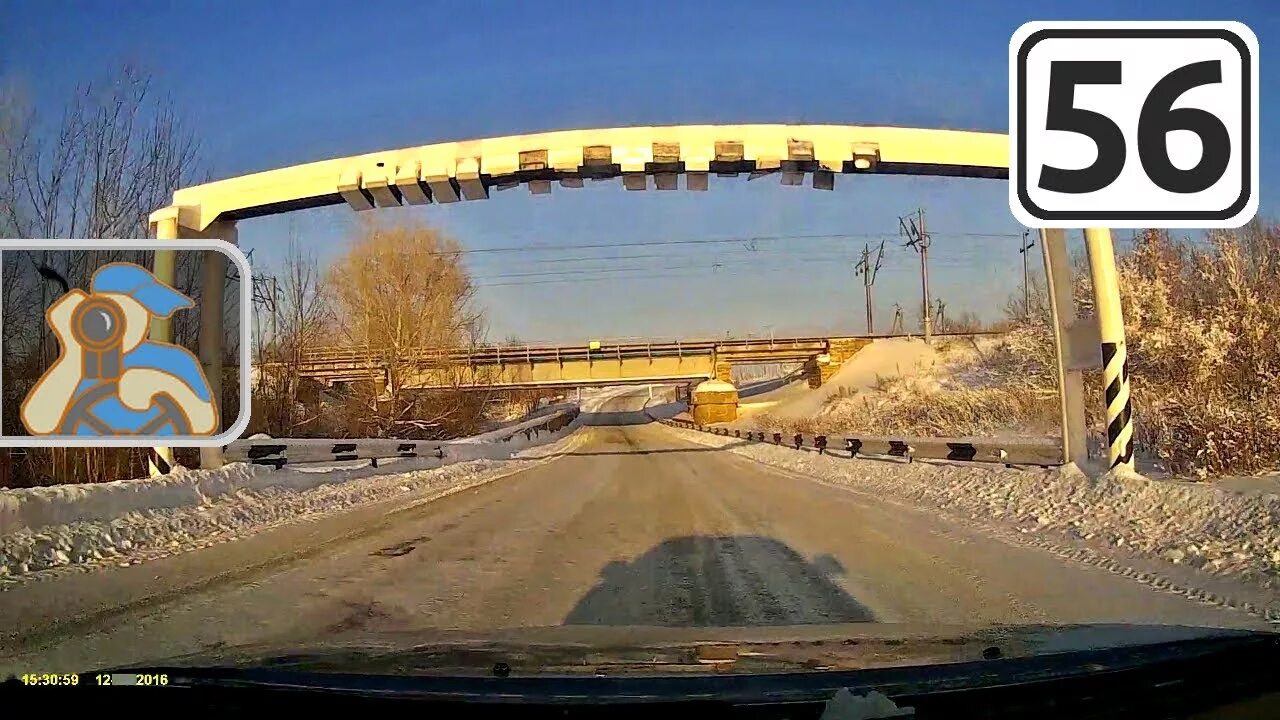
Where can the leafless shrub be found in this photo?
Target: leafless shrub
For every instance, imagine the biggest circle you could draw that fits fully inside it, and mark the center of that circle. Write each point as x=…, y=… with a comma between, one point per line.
x=1201, y=320
x=298, y=315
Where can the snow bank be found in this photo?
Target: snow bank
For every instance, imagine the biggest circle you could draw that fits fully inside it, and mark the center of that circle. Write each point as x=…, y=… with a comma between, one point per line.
x=59, y=525
x=1195, y=534
x=244, y=500
x=33, y=508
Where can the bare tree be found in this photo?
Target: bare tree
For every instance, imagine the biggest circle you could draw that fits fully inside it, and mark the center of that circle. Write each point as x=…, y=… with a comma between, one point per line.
x=400, y=290
x=118, y=152
x=303, y=318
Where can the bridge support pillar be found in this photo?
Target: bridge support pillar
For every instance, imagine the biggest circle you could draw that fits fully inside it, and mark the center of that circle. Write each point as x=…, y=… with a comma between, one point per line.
x=724, y=372
x=819, y=369
x=844, y=348
x=160, y=459
x=214, y=274
x=714, y=401
x=213, y=279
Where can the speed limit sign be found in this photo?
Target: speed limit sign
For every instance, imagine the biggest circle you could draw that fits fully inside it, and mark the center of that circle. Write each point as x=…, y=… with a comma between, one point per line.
x=1133, y=124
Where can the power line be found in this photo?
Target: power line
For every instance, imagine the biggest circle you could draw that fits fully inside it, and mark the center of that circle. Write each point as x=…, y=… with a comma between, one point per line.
x=583, y=274
x=953, y=253
x=616, y=274
x=704, y=241
x=711, y=269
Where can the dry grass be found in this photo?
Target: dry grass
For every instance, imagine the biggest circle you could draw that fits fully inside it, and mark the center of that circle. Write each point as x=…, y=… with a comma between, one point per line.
x=912, y=408
x=972, y=390
x=1202, y=320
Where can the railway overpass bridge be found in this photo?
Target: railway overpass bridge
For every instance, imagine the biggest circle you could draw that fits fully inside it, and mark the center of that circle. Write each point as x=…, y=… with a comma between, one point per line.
x=595, y=363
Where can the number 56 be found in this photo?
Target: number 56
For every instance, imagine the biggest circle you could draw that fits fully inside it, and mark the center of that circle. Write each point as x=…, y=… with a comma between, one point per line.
x=1157, y=118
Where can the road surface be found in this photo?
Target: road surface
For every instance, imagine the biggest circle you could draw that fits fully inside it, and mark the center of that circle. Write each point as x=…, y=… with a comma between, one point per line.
x=632, y=526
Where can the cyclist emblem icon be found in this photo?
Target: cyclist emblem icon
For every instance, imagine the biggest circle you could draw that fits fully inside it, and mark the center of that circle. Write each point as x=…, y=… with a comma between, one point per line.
x=109, y=379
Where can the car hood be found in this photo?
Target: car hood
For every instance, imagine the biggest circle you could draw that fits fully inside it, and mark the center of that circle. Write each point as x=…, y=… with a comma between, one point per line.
x=631, y=650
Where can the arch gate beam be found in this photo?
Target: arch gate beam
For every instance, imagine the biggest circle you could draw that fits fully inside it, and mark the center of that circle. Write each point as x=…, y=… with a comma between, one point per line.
x=454, y=171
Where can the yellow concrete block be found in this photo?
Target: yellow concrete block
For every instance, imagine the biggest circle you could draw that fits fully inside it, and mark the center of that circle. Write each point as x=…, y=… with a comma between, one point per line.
x=714, y=401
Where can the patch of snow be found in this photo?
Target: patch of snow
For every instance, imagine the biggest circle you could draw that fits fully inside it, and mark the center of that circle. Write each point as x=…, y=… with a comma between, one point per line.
x=714, y=386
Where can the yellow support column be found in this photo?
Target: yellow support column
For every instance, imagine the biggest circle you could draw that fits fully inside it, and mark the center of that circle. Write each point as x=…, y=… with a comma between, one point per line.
x=211, y=327
x=1115, y=372
x=160, y=459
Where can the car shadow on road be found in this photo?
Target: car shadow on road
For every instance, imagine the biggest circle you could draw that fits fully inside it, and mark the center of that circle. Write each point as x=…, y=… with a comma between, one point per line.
x=719, y=581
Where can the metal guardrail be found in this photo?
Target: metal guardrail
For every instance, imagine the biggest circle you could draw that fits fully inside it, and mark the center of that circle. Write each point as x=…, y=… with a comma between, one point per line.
x=278, y=452
x=1044, y=453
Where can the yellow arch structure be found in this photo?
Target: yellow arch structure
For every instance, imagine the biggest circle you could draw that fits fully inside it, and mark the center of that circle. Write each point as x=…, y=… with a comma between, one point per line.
x=645, y=158
x=469, y=170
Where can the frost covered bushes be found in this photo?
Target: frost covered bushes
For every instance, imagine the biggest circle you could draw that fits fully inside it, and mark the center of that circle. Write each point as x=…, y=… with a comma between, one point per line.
x=1202, y=322
x=1202, y=319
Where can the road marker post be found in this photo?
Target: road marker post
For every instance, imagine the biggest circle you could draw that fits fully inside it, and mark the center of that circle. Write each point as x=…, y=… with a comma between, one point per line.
x=1115, y=370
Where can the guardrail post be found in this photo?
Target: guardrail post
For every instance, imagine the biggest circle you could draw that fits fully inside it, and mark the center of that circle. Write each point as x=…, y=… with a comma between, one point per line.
x=1115, y=367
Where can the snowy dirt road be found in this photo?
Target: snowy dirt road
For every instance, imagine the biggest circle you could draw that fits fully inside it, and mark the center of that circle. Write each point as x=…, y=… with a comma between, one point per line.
x=631, y=525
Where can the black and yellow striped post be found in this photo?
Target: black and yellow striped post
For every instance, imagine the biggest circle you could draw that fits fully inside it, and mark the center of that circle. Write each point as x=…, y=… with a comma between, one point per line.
x=1115, y=371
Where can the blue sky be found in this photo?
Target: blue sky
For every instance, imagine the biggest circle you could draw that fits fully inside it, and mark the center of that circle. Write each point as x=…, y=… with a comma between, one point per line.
x=279, y=83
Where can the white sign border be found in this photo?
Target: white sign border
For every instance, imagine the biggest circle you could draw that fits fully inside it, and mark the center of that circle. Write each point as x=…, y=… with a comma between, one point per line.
x=246, y=333
x=1239, y=29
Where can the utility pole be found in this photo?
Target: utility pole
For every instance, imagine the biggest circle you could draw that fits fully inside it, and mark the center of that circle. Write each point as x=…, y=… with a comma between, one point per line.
x=1026, y=277
x=275, y=308
x=913, y=229
x=868, y=272
x=266, y=294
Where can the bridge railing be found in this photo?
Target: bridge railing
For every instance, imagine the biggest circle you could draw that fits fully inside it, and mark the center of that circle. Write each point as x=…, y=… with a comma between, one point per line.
x=513, y=353
x=1044, y=452
x=278, y=452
